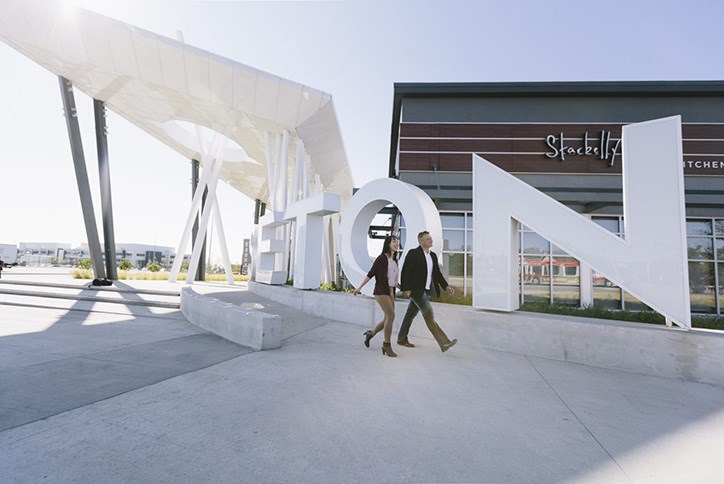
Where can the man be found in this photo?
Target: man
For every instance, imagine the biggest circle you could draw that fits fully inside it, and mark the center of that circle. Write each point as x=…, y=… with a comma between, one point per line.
x=421, y=275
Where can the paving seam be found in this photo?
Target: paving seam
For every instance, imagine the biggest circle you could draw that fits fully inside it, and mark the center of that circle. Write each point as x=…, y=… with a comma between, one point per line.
x=78, y=297
x=87, y=287
x=577, y=418
x=58, y=308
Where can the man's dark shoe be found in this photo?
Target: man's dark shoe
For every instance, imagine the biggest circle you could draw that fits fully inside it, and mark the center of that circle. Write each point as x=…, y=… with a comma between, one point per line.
x=446, y=346
x=405, y=342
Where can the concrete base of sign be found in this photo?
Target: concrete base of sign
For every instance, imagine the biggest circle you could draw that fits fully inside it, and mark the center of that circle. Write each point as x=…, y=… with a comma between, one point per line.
x=271, y=277
x=252, y=328
x=636, y=347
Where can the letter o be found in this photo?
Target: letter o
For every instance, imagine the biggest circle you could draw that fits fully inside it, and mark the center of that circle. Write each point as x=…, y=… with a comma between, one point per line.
x=415, y=205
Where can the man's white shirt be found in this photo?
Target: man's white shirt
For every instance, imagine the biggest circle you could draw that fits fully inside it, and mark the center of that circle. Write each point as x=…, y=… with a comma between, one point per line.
x=428, y=259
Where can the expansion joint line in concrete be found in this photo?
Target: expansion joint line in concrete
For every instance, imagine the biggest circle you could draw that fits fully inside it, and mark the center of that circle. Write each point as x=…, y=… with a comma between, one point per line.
x=576, y=416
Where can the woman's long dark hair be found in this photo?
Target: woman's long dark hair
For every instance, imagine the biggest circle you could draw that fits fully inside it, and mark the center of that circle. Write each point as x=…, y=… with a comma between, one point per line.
x=386, y=246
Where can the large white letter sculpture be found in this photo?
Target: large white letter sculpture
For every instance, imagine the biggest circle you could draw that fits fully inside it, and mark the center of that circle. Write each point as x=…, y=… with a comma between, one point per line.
x=309, y=214
x=650, y=263
x=269, y=246
x=415, y=205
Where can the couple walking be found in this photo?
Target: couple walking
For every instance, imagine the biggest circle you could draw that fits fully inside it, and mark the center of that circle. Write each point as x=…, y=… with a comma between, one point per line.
x=420, y=276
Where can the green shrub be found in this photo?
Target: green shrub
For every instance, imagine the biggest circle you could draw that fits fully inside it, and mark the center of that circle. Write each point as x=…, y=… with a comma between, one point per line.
x=595, y=311
x=153, y=266
x=330, y=287
x=85, y=264
x=125, y=265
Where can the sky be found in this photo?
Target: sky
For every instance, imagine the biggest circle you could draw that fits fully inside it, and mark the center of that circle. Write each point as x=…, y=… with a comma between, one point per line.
x=355, y=50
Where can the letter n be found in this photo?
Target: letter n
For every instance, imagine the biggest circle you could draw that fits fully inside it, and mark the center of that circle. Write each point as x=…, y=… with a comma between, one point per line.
x=650, y=262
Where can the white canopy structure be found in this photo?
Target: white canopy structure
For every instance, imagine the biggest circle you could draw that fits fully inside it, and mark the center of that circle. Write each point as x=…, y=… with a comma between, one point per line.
x=165, y=87
x=152, y=80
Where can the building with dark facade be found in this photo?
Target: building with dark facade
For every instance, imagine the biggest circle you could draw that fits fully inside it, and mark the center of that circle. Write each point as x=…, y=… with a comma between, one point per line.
x=563, y=138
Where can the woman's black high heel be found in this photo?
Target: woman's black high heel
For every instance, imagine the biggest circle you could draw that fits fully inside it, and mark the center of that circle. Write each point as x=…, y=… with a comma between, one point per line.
x=368, y=336
x=387, y=350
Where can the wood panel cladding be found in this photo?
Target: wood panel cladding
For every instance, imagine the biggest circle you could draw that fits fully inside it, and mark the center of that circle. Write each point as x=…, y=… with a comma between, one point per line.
x=502, y=130
x=544, y=148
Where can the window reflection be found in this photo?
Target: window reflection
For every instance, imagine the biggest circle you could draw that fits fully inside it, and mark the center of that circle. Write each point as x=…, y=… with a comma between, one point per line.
x=453, y=240
x=534, y=244
x=610, y=224
x=701, y=287
x=453, y=221
x=535, y=275
x=698, y=227
x=720, y=227
x=700, y=248
x=470, y=269
x=566, y=271
x=632, y=303
x=455, y=270
x=535, y=270
x=566, y=281
x=605, y=292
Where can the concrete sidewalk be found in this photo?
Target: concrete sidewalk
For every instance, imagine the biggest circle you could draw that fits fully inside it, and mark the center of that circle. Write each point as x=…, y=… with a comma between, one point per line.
x=150, y=398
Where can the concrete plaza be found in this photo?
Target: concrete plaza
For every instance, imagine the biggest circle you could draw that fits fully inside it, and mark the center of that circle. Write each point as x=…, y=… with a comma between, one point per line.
x=107, y=392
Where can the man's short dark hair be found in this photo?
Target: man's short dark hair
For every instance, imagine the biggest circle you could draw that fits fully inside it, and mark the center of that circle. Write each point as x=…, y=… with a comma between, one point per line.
x=422, y=234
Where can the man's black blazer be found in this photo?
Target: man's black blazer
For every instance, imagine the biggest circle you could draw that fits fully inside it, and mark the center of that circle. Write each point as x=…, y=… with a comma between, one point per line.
x=414, y=273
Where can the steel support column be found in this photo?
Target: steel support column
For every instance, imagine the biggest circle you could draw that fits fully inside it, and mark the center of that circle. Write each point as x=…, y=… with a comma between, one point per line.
x=104, y=172
x=201, y=272
x=81, y=176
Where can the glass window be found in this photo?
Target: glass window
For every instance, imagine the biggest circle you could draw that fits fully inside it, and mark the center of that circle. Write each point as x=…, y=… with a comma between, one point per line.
x=403, y=236
x=537, y=294
x=470, y=221
x=599, y=280
x=568, y=295
x=469, y=242
x=605, y=293
x=453, y=240
x=719, y=227
x=701, y=284
x=698, y=227
x=535, y=270
x=566, y=281
x=610, y=224
x=469, y=275
x=700, y=247
x=453, y=221
x=402, y=221
x=565, y=271
x=534, y=244
x=631, y=303
x=720, y=249
x=455, y=269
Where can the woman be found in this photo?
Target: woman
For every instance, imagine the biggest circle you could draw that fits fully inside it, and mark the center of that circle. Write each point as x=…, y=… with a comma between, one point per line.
x=386, y=274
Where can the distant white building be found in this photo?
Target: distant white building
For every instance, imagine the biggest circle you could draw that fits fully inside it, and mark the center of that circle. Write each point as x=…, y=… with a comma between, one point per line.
x=8, y=253
x=41, y=253
x=49, y=253
x=140, y=255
